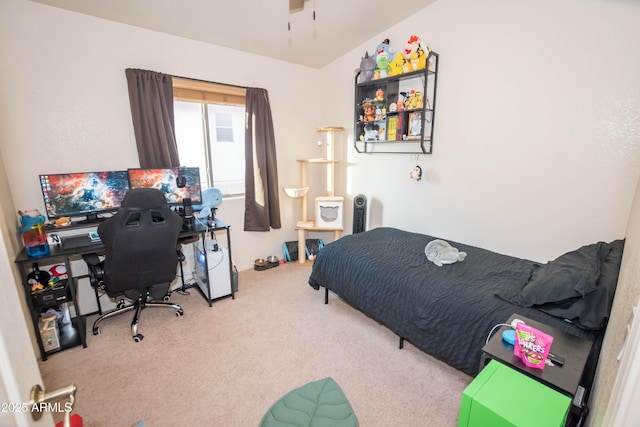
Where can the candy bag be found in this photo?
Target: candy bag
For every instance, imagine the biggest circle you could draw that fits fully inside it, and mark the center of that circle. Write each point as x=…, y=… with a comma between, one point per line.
x=532, y=346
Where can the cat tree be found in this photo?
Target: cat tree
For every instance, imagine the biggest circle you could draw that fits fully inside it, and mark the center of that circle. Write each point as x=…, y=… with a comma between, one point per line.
x=328, y=209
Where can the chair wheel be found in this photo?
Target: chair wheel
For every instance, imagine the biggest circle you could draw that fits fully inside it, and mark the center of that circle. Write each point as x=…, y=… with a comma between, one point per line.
x=166, y=298
x=179, y=312
x=120, y=304
x=138, y=337
x=96, y=331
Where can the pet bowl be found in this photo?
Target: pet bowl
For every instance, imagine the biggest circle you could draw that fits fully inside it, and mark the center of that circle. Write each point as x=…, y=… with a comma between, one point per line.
x=272, y=259
x=260, y=262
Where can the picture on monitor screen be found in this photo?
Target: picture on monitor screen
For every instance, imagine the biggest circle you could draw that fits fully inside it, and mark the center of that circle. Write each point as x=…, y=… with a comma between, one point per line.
x=166, y=180
x=84, y=193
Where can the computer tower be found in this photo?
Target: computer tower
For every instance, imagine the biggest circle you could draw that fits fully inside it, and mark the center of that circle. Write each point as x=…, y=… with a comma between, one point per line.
x=359, y=213
x=211, y=271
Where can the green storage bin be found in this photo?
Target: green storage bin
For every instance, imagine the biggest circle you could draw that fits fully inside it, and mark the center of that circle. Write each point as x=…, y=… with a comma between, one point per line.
x=503, y=397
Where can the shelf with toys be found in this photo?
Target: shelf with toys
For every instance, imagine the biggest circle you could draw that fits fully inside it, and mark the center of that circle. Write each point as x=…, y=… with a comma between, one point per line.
x=395, y=104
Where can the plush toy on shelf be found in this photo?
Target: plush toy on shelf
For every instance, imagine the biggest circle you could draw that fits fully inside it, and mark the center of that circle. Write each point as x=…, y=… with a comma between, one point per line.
x=367, y=67
x=398, y=65
x=383, y=48
x=382, y=57
x=414, y=100
x=382, y=67
x=416, y=52
x=369, y=111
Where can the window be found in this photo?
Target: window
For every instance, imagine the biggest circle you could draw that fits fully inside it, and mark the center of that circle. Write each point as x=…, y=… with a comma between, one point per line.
x=209, y=121
x=224, y=126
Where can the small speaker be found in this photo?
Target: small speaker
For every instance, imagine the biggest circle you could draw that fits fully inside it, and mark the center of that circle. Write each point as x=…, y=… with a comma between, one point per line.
x=359, y=213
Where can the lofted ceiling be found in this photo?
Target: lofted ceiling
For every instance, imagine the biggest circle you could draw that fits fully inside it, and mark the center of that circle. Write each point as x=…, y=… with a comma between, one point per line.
x=263, y=27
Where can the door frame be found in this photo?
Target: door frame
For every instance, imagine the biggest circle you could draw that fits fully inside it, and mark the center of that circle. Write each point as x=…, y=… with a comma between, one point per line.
x=19, y=369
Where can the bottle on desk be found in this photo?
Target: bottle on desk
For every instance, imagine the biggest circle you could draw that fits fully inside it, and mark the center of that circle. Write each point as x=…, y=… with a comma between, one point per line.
x=34, y=236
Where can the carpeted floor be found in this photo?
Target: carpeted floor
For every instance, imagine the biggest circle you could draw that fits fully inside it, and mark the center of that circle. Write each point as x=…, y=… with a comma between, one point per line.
x=225, y=365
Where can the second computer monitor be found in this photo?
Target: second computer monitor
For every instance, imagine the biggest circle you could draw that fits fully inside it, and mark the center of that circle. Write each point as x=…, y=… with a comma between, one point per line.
x=177, y=184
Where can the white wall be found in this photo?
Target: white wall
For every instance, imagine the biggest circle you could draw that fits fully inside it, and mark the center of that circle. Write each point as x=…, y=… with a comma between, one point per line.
x=617, y=382
x=536, y=148
x=65, y=104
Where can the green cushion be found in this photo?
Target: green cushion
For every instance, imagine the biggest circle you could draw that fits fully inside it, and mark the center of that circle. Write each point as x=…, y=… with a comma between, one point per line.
x=316, y=404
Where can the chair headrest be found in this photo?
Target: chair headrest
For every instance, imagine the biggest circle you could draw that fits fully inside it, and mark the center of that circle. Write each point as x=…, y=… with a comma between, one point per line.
x=144, y=198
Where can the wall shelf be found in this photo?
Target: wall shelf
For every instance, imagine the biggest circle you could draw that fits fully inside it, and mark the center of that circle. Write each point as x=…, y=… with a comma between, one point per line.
x=395, y=114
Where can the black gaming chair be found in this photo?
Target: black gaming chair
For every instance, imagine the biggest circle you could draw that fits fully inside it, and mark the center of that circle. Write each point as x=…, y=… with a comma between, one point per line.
x=141, y=256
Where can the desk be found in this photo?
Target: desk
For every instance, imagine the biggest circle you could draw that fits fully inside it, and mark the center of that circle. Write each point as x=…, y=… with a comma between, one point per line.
x=75, y=334
x=565, y=379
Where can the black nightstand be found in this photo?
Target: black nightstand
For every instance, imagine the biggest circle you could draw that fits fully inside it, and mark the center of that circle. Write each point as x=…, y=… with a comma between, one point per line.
x=563, y=378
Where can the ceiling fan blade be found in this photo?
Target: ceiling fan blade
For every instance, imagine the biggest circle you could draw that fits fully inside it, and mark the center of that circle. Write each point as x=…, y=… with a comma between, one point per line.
x=296, y=5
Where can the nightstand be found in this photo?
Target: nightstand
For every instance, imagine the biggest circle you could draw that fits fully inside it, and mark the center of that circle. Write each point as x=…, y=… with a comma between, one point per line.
x=565, y=378
x=503, y=397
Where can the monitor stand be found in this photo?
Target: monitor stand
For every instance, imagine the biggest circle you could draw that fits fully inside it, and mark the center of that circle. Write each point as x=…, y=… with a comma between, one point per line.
x=92, y=218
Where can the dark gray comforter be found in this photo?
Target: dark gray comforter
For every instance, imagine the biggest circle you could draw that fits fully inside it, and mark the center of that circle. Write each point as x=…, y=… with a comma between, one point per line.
x=445, y=311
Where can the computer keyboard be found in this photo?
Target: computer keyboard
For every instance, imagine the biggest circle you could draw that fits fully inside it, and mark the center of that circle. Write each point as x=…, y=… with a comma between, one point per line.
x=75, y=242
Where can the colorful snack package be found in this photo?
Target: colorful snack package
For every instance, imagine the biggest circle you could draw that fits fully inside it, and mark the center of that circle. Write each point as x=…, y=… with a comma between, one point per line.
x=532, y=346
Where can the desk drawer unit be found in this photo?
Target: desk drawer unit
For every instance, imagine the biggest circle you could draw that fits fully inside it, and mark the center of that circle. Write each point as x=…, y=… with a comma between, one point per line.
x=503, y=397
x=51, y=296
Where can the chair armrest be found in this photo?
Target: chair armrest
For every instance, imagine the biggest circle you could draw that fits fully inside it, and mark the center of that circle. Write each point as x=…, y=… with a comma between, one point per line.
x=96, y=269
x=91, y=259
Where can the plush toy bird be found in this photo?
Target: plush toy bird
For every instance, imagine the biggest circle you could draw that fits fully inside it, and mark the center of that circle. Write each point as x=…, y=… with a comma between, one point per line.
x=440, y=252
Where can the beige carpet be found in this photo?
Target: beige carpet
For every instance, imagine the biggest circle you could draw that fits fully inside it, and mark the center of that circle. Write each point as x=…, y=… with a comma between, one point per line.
x=225, y=365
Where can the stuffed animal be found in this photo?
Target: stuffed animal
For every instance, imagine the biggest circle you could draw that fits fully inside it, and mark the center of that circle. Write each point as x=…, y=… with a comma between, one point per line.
x=411, y=52
x=367, y=66
x=397, y=65
x=416, y=53
x=369, y=111
x=440, y=252
x=62, y=222
x=414, y=100
x=382, y=66
x=383, y=48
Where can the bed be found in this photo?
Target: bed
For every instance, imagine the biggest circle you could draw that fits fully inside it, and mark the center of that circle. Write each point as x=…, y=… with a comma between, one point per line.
x=448, y=311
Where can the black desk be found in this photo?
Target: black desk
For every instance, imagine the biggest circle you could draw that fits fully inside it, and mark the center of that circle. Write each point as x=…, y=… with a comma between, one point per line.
x=75, y=334
x=565, y=379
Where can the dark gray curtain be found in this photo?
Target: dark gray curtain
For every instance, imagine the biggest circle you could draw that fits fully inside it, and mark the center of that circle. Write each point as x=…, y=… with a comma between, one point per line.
x=151, y=99
x=262, y=204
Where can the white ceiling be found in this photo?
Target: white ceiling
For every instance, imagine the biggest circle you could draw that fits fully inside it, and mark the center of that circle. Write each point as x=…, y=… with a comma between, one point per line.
x=259, y=26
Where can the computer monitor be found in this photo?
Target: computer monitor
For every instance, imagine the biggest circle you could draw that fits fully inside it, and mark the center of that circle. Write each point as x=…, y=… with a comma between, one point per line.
x=177, y=184
x=86, y=194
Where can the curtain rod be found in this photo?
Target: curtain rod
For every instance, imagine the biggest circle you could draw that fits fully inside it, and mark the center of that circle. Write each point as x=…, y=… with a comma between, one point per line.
x=208, y=81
